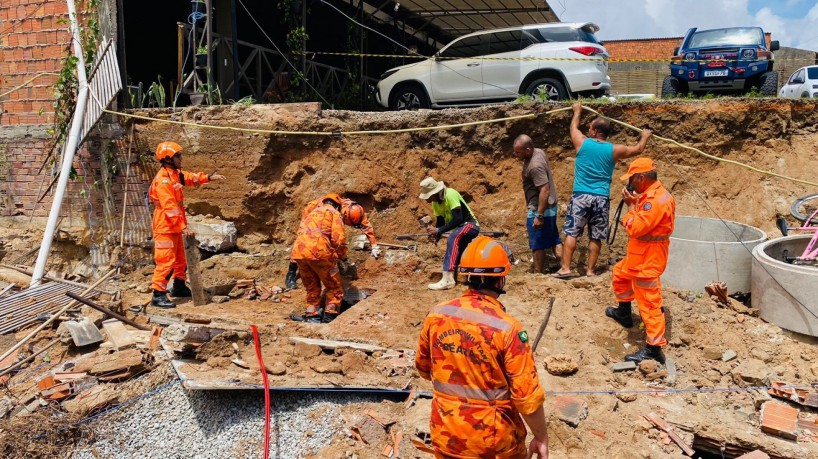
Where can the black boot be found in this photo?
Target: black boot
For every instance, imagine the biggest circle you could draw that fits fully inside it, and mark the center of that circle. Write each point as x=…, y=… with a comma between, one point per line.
x=313, y=319
x=161, y=300
x=292, y=275
x=180, y=290
x=621, y=314
x=648, y=353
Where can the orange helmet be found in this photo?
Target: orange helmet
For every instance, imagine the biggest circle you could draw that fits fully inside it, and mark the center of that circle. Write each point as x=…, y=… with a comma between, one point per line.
x=334, y=197
x=167, y=150
x=354, y=215
x=485, y=257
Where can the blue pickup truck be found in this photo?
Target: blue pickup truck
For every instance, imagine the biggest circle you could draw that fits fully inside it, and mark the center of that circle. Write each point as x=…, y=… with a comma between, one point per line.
x=734, y=59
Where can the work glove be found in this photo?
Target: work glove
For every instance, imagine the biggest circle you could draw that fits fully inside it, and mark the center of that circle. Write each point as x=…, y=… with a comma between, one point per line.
x=376, y=251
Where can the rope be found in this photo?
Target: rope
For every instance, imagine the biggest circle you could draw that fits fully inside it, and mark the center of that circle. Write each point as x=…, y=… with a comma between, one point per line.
x=706, y=155
x=337, y=133
x=42, y=74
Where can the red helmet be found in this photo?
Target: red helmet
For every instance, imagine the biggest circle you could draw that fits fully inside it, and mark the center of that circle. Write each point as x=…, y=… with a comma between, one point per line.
x=334, y=197
x=485, y=257
x=167, y=150
x=354, y=215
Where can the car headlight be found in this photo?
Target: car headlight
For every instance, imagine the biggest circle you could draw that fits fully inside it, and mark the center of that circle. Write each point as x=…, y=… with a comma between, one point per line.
x=747, y=54
x=389, y=73
x=690, y=56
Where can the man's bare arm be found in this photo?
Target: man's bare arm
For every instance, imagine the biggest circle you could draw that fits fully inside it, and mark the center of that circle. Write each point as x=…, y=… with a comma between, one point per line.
x=626, y=151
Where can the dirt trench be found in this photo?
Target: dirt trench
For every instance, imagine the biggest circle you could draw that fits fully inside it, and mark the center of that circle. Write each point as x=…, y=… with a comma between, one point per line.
x=270, y=178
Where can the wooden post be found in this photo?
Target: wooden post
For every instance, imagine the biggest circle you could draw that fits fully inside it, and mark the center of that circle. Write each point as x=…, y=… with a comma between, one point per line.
x=180, y=63
x=194, y=274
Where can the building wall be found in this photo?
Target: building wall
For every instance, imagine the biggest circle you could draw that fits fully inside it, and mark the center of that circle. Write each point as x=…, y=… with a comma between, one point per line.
x=34, y=40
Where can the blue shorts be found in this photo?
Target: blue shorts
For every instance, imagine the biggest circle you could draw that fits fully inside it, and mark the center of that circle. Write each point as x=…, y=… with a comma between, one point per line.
x=543, y=238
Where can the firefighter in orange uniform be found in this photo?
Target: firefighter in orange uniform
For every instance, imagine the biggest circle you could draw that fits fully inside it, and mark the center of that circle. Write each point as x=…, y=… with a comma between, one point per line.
x=481, y=367
x=170, y=223
x=649, y=223
x=353, y=215
x=319, y=245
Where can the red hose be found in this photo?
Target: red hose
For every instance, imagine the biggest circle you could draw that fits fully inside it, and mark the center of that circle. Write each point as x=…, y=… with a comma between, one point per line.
x=266, y=393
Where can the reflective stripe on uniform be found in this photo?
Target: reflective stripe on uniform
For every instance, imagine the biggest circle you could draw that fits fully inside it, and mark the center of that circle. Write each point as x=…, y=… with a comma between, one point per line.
x=177, y=186
x=474, y=316
x=647, y=283
x=625, y=295
x=473, y=393
x=653, y=238
x=664, y=198
x=654, y=340
x=163, y=244
x=173, y=212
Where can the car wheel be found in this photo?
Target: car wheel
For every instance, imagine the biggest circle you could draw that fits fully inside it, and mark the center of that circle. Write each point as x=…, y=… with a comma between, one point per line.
x=672, y=87
x=408, y=98
x=768, y=84
x=805, y=95
x=550, y=88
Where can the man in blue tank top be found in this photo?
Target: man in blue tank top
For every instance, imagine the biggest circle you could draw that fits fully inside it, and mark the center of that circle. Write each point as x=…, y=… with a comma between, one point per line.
x=590, y=202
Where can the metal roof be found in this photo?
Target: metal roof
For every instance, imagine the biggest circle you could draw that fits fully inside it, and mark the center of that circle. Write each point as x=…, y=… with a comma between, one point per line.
x=460, y=17
x=445, y=20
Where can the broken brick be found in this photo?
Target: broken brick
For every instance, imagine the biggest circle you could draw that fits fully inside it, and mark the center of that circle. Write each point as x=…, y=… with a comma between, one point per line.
x=571, y=410
x=779, y=419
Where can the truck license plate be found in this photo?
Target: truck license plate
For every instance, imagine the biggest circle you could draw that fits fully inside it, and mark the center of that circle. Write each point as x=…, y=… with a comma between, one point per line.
x=715, y=73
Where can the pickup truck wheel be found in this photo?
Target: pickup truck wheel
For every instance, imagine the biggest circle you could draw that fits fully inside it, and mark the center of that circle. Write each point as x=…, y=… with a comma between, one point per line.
x=672, y=87
x=768, y=84
x=550, y=88
x=408, y=98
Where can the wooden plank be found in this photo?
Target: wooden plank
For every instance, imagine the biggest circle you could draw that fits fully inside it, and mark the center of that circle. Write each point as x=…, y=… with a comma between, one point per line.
x=653, y=419
x=332, y=345
x=193, y=272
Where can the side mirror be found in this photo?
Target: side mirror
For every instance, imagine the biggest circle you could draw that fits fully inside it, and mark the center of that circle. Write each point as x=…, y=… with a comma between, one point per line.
x=436, y=57
x=676, y=51
x=774, y=46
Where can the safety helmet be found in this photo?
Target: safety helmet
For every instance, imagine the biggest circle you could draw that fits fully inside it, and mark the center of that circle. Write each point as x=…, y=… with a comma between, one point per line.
x=334, y=197
x=167, y=150
x=485, y=257
x=354, y=215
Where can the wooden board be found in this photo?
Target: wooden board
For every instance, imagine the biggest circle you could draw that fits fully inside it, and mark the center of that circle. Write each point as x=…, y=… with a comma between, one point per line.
x=193, y=272
x=332, y=345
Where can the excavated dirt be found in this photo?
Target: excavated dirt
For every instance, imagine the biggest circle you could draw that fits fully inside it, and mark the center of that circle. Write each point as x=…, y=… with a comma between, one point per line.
x=270, y=178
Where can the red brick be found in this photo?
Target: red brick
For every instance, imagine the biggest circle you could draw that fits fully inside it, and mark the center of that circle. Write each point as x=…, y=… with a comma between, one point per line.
x=779, y=419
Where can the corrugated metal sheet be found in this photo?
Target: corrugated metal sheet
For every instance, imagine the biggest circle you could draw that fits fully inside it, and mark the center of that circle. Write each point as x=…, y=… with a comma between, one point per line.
x=104, y=83
x=22, y=309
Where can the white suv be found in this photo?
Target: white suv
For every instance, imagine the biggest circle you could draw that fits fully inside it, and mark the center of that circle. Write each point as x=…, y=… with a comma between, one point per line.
x=499, y=65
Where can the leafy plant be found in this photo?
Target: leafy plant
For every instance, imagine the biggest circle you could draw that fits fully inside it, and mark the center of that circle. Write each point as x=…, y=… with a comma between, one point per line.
x=201, y=49
x=155, y=95
x=246, y=100
x=754, y=93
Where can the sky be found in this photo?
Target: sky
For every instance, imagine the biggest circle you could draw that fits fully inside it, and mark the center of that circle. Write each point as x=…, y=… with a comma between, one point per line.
x=794, y=23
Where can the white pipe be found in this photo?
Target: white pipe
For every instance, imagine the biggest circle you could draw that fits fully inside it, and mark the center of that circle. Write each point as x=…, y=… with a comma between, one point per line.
x=70, y=148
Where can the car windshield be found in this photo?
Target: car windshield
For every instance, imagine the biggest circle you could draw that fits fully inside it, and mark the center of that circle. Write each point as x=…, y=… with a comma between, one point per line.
x=720, y=37
x=812, y=73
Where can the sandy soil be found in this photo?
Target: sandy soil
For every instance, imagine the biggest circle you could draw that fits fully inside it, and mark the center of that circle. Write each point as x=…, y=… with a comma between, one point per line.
x=271, y=178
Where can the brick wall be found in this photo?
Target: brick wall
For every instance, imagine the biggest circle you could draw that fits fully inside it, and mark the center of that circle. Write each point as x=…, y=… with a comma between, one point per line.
x=34, y=39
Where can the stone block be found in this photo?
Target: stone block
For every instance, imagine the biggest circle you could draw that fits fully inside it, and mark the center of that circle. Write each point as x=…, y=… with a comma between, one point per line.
x=213, y=235
x=623, y=366
x=571, y=410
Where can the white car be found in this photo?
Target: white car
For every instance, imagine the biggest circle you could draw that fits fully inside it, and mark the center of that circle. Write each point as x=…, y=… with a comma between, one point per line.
x=802, y=83
x=498, y=65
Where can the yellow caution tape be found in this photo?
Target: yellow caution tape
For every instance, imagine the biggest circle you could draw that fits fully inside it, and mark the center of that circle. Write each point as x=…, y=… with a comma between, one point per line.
x=570, y=59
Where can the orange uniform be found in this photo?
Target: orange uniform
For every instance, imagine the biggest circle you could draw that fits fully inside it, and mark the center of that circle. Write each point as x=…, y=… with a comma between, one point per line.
x=649, y=225
x=319, y=244
x=483, y=373
x=366, y=227
x=168, y=222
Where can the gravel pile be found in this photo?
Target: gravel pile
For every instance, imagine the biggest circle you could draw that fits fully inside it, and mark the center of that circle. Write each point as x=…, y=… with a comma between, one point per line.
x=174, y=423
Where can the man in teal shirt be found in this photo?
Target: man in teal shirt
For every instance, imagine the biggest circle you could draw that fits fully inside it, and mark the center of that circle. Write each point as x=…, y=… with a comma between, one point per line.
x=452, y=214
x=591, y=199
